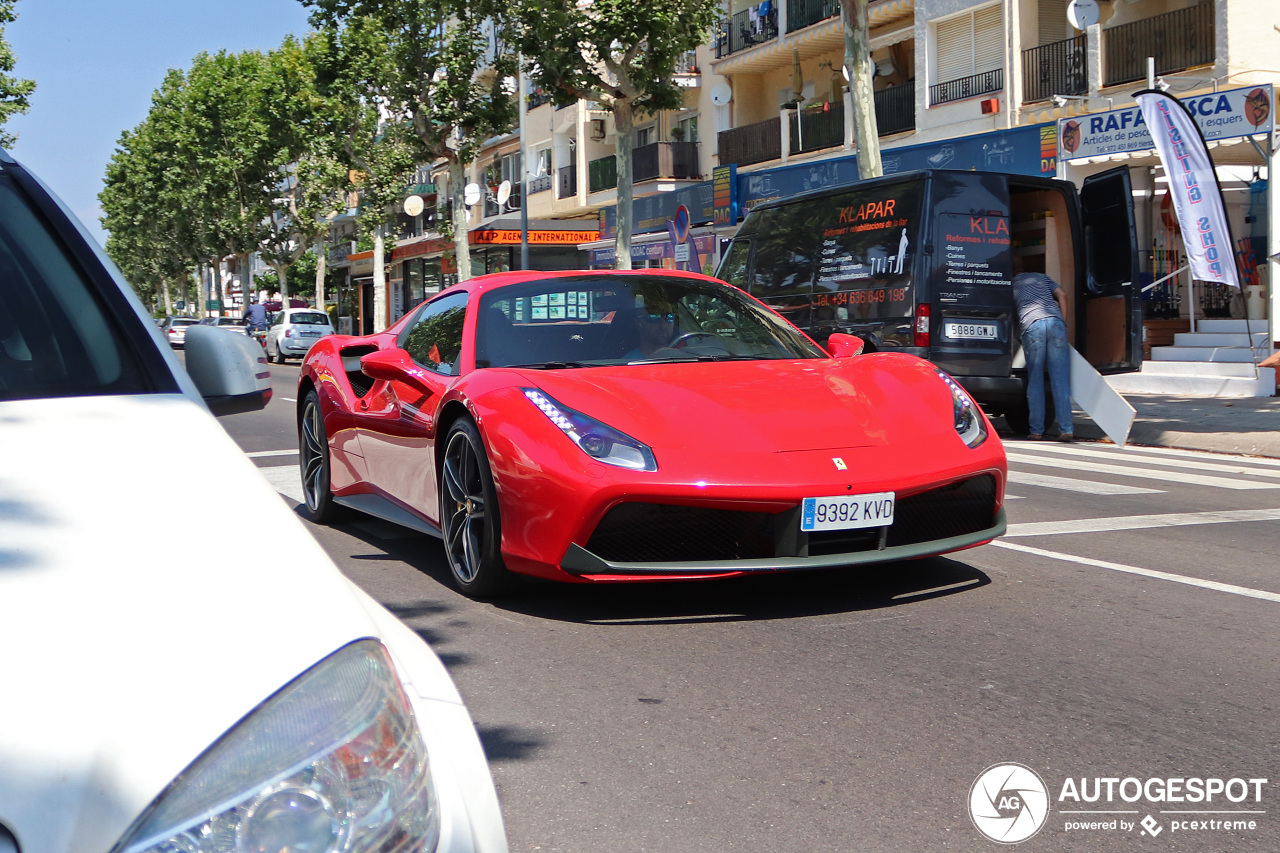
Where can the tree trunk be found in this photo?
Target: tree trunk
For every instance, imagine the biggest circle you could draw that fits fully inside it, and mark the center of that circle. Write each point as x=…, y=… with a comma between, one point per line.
x=320, y=273
x=379, y=281
x=282, y=275
x=168, y=300
x=461, y=237
x=857, y=58
x=623, y=124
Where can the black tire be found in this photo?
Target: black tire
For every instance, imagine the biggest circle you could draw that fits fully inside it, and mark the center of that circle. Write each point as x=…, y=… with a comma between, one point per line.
x=313, y=462
x=279, y=356
x=469, y=516
x=1018, y=418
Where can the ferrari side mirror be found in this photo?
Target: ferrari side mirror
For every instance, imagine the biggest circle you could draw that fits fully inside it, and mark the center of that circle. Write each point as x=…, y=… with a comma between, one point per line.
x=395, y=365
x=841, y=345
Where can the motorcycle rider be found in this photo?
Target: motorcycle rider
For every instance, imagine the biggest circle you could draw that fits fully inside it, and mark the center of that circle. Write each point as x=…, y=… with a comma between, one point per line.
x=256, y=317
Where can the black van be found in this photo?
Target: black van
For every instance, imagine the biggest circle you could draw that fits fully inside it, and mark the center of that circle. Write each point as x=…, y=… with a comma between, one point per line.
x=923, y=262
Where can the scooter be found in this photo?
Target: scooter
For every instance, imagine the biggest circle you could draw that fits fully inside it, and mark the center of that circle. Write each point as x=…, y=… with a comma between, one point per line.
x=259, y=335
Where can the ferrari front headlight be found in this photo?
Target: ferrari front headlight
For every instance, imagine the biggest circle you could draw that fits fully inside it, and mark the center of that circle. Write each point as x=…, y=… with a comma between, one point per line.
x=332, y=762
x=969, y=422
x=598, y=440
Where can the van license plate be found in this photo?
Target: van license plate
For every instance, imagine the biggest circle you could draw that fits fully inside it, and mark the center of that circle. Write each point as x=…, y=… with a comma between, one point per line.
x=845, y=512
x=981, y=331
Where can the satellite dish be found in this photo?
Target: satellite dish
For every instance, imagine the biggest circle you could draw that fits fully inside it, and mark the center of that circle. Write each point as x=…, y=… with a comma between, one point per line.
x=413, y=205
x=471, y=195
x=504, y=192
x=721, y=94
x=1083, y=13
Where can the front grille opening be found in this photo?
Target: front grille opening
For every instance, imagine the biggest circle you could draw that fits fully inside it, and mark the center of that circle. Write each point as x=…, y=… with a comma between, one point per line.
x=360, y=383
x=660, y=533
x=954, y=510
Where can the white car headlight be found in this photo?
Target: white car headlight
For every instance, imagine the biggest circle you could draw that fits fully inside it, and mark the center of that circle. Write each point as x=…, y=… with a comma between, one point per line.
x=969, y=422
x=332, y=762
x=598, y=440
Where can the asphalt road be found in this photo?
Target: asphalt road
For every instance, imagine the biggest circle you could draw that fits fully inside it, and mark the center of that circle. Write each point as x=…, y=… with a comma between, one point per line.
x=1125, y=628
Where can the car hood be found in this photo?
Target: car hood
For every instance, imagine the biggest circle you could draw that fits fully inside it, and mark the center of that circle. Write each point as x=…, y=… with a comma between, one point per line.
x=154, y=589
x=764, y=406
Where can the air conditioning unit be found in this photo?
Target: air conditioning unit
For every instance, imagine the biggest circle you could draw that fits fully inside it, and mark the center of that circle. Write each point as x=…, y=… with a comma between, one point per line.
x=597, y=128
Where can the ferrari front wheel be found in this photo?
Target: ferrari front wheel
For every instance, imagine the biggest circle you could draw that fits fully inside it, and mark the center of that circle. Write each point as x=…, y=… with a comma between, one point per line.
x=313, y=460
x=469, y=517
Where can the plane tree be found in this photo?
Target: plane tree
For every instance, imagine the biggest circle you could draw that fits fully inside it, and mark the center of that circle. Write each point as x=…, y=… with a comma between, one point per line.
x=620, y=54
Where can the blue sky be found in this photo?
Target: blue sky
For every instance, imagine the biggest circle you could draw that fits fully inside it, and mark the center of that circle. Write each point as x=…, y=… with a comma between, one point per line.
x=96, y=63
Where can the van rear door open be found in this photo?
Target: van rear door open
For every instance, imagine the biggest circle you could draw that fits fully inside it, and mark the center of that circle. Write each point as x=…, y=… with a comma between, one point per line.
x=1112, y=339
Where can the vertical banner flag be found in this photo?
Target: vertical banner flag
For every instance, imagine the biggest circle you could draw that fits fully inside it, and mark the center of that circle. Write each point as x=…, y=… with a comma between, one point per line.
x=1193, y=184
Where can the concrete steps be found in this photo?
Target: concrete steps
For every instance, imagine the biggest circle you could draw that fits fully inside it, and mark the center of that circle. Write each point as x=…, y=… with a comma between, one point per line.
x=1213, y=361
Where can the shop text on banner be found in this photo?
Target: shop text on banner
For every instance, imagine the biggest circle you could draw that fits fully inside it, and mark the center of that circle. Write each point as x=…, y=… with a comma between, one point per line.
x=1193, y=184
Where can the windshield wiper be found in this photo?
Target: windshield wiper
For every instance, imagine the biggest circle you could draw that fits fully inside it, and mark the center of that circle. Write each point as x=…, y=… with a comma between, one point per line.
x=549, y=365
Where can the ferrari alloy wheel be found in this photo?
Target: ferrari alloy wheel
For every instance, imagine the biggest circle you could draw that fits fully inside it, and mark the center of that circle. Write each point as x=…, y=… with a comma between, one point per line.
x=313, y=459
x=469, y=514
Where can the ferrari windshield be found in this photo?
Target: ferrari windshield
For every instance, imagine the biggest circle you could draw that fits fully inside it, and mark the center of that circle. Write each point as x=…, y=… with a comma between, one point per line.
x=597, y=320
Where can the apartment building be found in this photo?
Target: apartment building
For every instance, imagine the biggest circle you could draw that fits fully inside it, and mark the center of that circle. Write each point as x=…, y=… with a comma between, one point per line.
x=962, y=84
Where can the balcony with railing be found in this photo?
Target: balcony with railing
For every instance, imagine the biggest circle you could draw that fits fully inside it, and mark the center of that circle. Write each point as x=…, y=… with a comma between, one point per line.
x=540, y=184
x=687, y=63
x=966, y=87
x=745, y=30
x=602, y=174
x=806, y=13
x=567, y=181
x=816, y=128
x=673, y=160
x=491, y=206
x=1178, y=40
x=1057, y=68
x=751, y=143
x=896, y=108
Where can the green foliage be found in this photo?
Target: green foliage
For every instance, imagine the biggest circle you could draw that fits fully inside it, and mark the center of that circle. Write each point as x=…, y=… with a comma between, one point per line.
x=612, y=50
x=15, y=93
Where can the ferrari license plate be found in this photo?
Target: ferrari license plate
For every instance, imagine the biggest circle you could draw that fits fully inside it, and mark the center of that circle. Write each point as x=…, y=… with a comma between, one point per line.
x=845, y=512
x=979, y=331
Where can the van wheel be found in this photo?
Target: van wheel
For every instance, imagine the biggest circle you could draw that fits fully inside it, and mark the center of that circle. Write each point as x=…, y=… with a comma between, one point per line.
x=1018, y=419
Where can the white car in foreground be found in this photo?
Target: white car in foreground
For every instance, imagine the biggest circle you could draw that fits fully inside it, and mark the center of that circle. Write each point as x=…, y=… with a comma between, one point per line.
x=246, y=698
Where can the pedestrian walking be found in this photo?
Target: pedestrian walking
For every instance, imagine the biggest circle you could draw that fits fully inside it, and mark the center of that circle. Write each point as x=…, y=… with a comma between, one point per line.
x=1042, y=312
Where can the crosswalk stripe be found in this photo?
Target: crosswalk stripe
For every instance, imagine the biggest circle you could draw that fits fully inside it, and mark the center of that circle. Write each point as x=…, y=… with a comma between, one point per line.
x=1197, y=465
x=1194, y=454
x=258, y=454
x=1069, y=484
x=1264, y=595
x=1140, y=522
x=1143, y=473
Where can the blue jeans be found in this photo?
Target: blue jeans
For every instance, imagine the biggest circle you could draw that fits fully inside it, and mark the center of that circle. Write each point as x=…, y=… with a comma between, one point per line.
x=1048, y=337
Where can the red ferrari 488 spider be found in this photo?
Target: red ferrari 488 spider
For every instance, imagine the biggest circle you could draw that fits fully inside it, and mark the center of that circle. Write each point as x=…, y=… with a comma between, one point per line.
x=621, y=426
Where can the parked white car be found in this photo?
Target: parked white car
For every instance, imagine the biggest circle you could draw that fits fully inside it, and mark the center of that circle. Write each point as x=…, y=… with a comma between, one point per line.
x=244, y=697
x=293, y=331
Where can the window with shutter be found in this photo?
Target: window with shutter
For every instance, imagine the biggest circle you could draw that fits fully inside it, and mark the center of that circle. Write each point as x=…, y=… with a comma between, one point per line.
x=966, y=46
x=1053, y=24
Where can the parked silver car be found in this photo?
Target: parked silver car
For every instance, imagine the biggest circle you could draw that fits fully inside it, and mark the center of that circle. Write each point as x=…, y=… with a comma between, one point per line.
x=293, y=331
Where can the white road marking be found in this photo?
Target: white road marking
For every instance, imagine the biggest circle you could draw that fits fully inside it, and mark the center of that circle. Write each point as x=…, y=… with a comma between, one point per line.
x=289, y=399
x=258, y=454
x=1195, y=464
x=1149, y=573
x=1144, y=473
x=1141, y=522
x=285, y=479
x=1194, y=454
x=1071, y=485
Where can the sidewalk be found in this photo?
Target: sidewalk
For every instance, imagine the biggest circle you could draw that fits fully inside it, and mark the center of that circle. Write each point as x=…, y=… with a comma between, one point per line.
x=1246, y=425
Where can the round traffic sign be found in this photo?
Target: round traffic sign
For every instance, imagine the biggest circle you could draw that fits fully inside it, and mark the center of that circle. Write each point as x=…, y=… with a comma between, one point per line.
x=681, y=223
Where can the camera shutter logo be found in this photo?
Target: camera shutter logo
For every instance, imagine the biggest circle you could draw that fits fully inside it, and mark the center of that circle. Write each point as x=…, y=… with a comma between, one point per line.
x=1008, y=803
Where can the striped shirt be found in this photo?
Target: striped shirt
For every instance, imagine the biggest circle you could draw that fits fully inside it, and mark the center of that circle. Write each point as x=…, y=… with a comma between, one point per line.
x=1033, y=292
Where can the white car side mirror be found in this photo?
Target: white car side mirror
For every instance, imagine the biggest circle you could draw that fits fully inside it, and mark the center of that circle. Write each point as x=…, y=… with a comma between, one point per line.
x=229, y=369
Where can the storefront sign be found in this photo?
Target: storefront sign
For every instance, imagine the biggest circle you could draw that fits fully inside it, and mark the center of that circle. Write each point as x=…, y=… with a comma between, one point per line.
x=1221, y=115
x=539, y=238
